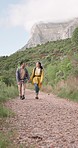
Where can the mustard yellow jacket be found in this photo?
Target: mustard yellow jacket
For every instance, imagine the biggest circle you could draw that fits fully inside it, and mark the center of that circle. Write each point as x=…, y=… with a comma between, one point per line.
x=37, y=78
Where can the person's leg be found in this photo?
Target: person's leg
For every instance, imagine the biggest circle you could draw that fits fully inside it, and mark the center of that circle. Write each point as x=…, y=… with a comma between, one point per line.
x=23, y=90
x=20, y=90
x=36, y=90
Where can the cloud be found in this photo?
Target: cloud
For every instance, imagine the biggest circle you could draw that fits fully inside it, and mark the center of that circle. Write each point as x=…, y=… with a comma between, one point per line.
x=28, y=12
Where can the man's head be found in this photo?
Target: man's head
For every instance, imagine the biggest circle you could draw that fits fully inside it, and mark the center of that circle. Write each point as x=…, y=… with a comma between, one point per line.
x=22, y=64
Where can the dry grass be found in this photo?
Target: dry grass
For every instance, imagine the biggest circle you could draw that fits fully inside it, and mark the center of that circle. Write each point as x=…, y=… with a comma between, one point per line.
x=68, y=89
x=47, y=89
x=71, y=83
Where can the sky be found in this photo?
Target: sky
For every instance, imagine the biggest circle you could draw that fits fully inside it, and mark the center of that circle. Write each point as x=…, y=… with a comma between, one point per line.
x=18, y=16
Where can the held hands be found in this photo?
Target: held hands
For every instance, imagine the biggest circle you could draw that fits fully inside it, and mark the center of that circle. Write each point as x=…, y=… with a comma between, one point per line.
x=18, y=83
x=29, y=81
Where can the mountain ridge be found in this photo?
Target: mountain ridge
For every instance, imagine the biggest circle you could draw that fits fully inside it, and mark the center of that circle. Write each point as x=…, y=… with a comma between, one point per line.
x=44, y=32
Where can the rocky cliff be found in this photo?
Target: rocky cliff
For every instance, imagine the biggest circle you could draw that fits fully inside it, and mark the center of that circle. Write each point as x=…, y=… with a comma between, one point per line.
x=44, y=32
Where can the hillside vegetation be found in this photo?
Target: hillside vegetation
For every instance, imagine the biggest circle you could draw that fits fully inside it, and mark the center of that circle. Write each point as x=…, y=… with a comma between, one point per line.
x=60, y=62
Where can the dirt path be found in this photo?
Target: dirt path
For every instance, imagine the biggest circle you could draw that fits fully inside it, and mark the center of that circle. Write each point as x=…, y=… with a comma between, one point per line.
x=49, y=122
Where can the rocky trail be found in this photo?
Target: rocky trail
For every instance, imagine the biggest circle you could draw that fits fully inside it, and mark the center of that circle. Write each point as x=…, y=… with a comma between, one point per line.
x=47, y=122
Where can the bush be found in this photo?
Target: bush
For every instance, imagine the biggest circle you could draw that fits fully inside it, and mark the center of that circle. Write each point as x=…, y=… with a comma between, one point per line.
x=4, y=112
x=75, y=36
x=7, y=92
x=68, y=93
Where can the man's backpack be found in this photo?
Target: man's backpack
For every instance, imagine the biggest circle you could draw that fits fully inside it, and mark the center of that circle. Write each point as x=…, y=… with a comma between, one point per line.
x=26, y=72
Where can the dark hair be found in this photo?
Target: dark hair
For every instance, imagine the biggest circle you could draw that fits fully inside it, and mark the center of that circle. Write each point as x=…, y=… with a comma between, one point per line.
x=21, y=62
x=40, y=65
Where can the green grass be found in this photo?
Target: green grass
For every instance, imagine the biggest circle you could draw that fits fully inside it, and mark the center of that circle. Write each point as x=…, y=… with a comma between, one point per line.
x=59, y=59
x=5, y=112
x=4, y=143
x=6, y=140
x=60, y=62
x=67, y=93
x=7, y=92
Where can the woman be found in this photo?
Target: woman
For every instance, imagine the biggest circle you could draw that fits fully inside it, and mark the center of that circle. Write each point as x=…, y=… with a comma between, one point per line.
x=37, y=78
x=21, y=77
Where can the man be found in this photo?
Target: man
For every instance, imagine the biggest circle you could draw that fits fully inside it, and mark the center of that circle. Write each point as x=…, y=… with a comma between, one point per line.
x=21, y=77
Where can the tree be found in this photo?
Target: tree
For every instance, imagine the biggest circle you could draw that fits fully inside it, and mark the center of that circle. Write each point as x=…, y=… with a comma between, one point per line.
x=75, y=36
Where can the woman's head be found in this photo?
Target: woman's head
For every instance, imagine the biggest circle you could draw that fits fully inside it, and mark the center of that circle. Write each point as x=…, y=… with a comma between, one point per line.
x=38, y=64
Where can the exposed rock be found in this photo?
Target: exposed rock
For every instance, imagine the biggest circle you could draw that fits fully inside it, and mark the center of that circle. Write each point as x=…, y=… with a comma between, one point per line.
x=44, y=32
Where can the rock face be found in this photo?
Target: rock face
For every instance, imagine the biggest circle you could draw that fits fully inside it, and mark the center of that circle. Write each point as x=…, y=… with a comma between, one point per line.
x=44, y=32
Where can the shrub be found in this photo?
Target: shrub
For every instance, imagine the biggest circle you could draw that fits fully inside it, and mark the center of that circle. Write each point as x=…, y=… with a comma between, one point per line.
x=75, y=36
x=4, y=112
x=7, y=92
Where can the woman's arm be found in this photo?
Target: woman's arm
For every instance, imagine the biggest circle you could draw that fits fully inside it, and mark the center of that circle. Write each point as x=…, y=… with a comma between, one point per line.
x=42, y=76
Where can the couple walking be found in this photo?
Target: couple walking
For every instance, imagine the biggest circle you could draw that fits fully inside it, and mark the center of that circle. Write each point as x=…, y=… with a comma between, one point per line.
x=22, y=76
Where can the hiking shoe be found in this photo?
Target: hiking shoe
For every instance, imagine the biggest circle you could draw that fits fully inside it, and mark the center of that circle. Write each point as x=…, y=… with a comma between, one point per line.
x=20, y=97
x=23, y=97
x=36, y=98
